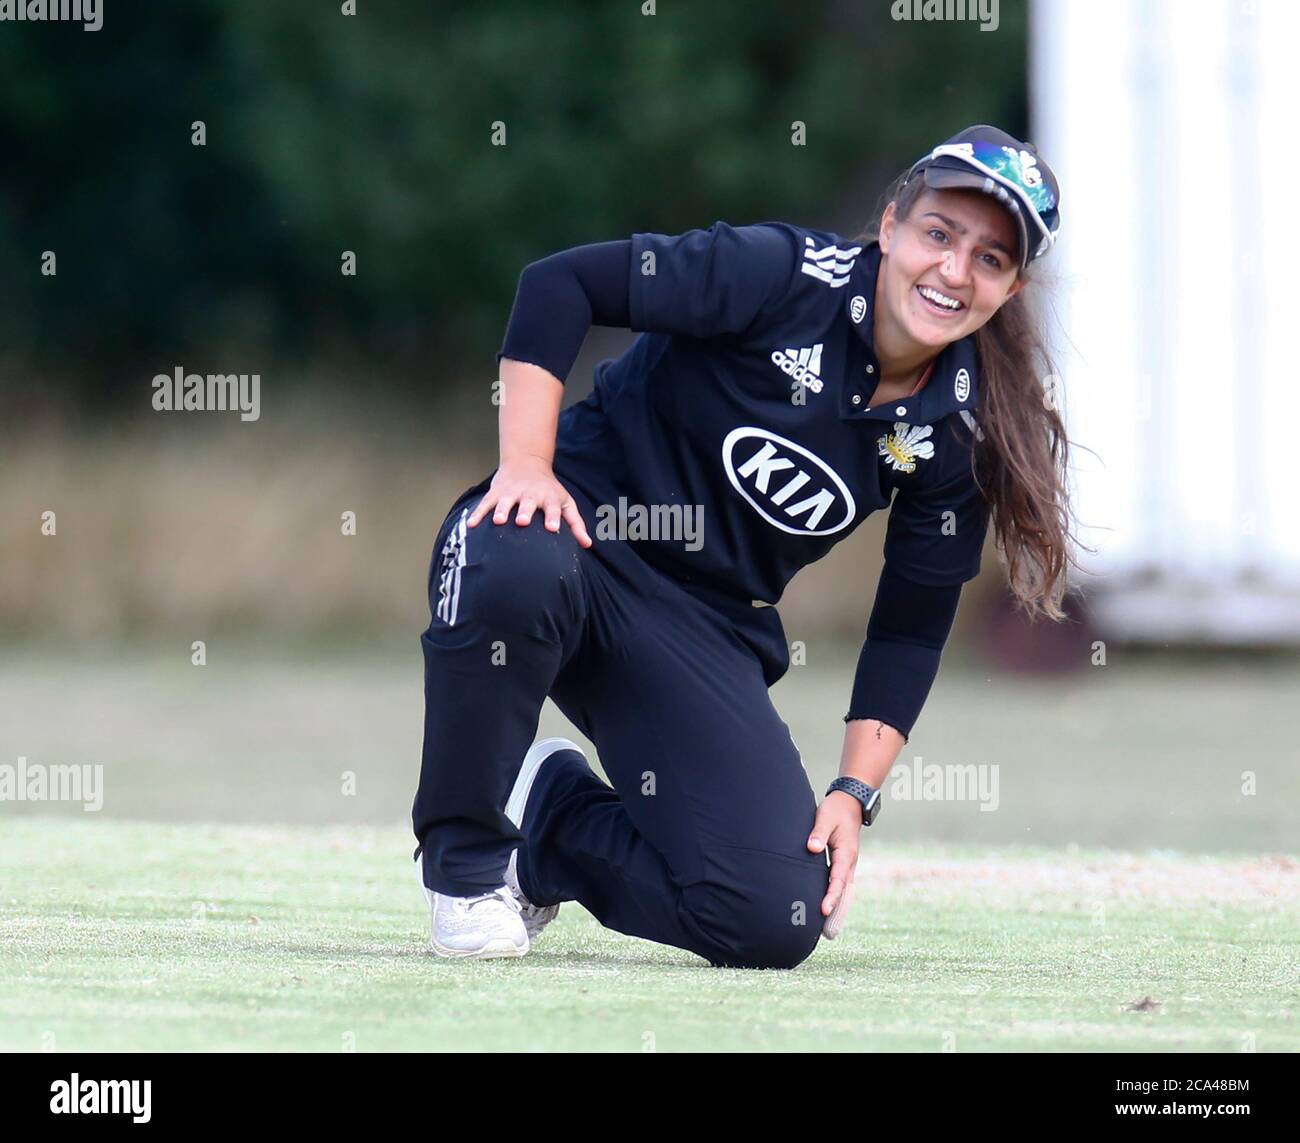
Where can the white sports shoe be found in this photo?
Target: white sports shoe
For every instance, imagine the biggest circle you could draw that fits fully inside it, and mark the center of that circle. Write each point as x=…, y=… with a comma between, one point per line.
x=478, y=928
x=535, y=917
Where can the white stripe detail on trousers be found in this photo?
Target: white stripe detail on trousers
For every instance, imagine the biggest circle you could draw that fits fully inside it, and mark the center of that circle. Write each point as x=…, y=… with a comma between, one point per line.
x=449, y=584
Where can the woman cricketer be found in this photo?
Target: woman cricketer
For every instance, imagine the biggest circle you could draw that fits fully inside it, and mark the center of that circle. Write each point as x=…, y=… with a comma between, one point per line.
x=786, y=384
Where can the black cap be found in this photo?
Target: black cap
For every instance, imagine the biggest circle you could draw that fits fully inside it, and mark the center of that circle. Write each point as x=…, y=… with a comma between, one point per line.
x=988, y=159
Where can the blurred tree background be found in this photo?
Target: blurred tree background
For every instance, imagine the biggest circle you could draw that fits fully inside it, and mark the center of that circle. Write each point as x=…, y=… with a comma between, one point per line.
x=373, y=133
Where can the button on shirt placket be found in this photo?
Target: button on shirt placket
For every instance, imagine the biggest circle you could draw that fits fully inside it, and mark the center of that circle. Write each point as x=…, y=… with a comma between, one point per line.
x=856, y=400
x=935, y=399
x=857, y=397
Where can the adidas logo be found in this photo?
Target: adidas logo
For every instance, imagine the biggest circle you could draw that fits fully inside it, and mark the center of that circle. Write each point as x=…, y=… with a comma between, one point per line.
x=830, y=264
x=803, y=365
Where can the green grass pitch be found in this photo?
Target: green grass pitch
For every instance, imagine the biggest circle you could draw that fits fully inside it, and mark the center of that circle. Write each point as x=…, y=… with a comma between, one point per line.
x=129, y=936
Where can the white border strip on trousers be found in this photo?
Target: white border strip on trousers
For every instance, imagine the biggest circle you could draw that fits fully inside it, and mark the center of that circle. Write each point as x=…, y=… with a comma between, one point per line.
x=449, y=585
x=460, y=563
x=444, y=578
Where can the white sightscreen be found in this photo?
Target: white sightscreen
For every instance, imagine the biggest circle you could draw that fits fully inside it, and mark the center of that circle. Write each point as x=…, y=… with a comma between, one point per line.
x=1164, y=121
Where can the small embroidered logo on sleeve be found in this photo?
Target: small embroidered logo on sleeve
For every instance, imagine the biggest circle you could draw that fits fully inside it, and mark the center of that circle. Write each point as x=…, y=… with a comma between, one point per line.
x=906, y=445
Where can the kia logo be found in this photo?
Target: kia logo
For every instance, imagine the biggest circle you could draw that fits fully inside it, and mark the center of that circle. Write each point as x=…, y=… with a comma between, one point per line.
x=786, y=484
x=962, y=385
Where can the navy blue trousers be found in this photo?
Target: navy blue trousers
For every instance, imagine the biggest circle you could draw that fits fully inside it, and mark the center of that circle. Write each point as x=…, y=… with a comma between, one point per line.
x=701, y=842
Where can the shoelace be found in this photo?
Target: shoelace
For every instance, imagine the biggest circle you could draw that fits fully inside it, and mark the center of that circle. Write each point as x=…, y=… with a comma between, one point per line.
x=502, y=894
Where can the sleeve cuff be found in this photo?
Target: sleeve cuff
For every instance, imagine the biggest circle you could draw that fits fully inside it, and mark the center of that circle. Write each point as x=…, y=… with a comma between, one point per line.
x=851, y=717
x=892, y=682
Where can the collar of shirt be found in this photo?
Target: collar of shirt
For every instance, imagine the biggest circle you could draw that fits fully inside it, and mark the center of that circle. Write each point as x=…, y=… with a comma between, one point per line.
x=951, y=387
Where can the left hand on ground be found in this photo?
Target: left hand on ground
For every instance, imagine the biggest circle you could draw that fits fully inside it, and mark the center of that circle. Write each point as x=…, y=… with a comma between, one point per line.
x=839, y=826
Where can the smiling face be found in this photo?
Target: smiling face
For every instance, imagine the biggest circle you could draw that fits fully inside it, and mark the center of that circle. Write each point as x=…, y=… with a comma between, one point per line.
x=947, y=269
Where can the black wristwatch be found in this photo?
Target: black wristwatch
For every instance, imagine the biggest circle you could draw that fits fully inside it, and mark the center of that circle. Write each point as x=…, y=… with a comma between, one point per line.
x=869, y=796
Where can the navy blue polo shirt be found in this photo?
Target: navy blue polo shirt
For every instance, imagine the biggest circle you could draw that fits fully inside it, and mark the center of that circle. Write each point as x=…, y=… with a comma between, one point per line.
x=748, y=396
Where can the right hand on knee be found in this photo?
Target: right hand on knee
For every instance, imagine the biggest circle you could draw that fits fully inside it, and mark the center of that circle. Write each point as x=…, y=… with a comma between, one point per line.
x=530, y=483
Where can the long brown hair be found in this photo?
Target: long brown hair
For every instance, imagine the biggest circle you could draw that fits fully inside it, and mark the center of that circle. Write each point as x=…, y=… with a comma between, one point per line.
x=1021, y=454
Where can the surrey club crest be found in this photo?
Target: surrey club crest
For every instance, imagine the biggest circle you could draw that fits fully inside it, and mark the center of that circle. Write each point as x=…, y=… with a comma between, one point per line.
x=906, y=445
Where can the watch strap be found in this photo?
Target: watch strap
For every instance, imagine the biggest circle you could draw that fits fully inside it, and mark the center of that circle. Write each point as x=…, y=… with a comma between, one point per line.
x=868, y=796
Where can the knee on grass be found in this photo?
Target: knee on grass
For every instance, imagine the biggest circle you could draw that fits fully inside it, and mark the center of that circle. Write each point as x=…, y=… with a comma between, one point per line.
x=773, y=925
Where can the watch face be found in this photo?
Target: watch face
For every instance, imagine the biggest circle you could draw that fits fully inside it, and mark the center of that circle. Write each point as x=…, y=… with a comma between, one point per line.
x=873, y=806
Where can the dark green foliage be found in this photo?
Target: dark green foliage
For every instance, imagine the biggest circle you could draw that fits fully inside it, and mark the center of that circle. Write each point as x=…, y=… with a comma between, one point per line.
x=372, y=133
